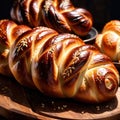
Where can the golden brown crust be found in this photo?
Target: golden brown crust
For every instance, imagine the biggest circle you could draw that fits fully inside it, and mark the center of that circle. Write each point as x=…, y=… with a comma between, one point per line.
x=60, y=15
x=9, y=31
x=60, y=65
x=108, y=41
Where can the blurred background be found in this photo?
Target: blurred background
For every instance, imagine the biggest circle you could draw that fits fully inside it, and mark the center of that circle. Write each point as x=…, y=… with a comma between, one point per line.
x=102, y=10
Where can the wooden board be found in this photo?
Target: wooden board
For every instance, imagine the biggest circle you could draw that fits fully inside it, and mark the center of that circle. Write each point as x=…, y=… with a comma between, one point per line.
x=24, y=103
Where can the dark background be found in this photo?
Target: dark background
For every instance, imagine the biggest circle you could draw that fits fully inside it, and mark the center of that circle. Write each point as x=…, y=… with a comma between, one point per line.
x=5, y=7
x=102, y=10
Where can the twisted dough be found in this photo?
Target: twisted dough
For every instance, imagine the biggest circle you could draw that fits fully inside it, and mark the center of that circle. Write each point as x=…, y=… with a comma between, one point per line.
x=60, y=65
x=9, y=32
x=108, y=41
x=60, y=15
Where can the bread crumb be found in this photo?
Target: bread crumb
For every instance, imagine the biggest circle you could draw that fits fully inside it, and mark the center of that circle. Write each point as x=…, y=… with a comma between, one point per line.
x=52, y=102
x=64, y=106
x=107, y=106
x=58, y=107
x=42, y=105
x=98, y=108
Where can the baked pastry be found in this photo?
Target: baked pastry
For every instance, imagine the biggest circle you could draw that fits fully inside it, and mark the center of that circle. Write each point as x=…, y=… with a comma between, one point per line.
x=60, y=15
x=9, y=32
x=60, y=65
x=108, y=41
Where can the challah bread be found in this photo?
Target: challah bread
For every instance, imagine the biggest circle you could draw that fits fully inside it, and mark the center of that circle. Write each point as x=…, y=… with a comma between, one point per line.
x=108, y=41
x=60, y=15
x=9, y=31
x=61, y=65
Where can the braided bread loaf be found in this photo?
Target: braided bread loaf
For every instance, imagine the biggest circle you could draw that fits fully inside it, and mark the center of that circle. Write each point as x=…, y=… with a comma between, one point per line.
x=108, y=41
x=9, y=32
x=60, y=15
x=60, y=65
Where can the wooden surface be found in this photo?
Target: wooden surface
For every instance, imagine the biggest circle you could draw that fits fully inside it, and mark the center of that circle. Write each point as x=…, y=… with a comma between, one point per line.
x=17, y=102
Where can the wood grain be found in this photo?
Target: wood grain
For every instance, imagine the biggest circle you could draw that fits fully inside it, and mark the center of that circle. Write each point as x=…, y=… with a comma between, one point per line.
x=17, y=101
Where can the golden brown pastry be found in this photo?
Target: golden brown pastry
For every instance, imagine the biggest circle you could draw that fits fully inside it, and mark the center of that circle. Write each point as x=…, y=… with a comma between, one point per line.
x=61, y=65
x=9, y=31
x=60, y=15
x=108, y=41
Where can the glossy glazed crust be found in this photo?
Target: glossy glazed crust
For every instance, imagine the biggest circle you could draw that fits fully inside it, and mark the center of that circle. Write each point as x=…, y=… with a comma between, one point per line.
x=9, y=32
x=108, y=40
x=60, y=65
x=60, y=15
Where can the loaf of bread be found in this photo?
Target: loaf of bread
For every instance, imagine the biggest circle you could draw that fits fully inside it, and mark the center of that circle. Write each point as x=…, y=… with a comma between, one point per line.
x=59, y=65
x=108, y=41
x=9, y=32
x=60, y=15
